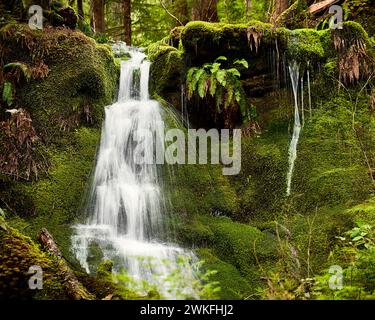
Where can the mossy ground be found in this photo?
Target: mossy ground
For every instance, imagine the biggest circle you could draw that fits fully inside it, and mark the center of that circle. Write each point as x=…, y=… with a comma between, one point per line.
x=19, y=253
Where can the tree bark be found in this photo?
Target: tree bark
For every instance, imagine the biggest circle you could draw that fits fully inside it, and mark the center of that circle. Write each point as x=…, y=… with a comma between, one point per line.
x=205, y=10
x=248, y=7
x=278, y=8
x=74, y=289
x=81, y=14
x=127, y=22
x=97, y=17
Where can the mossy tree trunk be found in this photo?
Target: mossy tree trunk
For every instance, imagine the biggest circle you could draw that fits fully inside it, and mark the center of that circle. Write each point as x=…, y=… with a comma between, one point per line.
x=73, y=287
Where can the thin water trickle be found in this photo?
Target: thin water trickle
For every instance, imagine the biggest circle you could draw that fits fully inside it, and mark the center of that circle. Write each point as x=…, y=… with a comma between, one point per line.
x=126, y=216
x=294, y=76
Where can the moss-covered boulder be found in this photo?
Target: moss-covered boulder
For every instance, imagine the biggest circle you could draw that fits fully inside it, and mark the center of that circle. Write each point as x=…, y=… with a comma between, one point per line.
x=72, y=77
x=18, y=254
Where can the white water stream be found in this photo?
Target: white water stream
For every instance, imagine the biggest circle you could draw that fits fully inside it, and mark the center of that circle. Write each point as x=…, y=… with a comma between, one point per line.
x=294, y=76
x=126, y=206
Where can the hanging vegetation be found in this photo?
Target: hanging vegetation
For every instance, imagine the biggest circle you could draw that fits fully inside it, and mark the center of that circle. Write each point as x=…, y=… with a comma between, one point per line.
x=354, y=62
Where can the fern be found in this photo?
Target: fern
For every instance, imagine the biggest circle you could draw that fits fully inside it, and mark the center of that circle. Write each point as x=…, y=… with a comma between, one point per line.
x=21, y=67
x=223, y=84
x=8, y=93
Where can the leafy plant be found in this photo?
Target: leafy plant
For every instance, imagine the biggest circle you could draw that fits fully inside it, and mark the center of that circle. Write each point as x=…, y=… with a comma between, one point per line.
x=223, y=84
x=355, y=252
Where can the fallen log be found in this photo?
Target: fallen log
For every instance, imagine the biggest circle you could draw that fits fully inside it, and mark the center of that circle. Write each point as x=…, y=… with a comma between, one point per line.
x=323, y=5
x=74, y=289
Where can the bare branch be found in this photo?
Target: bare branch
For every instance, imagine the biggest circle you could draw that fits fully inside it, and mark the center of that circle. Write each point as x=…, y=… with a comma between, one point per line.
x=167, y=11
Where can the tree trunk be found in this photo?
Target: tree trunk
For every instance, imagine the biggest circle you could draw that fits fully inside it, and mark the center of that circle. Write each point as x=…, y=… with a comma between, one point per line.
x=81, y=14
x=248, y=7
x=74, y=289
x=97, y=16
x=181, y=11
x=205, y=10
x=127, y=22
x=278, y=8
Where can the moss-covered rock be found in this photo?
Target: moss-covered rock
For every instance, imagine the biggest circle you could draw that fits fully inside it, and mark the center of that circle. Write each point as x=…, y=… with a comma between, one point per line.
x=231, y=248
x=73, y=76
x=18, y=253
x=233, y=285
x=331, y=168
x=166, y=72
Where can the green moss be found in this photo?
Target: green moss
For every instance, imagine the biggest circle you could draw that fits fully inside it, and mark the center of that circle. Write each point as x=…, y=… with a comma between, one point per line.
x=56, y=198
x=204, y=41
x=205, y=184
x=233, y=249
x=166, y=71
x=353, y=31
x=18, y=253
x=242, y=245
x=364, y=212
x=308, y=44
x=233, y=285
x=82, y=76
x=261, y=184
x=330, y=167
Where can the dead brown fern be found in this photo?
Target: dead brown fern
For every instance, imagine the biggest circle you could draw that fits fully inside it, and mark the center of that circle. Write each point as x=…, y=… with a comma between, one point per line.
x=18, y=140
x=354, y=62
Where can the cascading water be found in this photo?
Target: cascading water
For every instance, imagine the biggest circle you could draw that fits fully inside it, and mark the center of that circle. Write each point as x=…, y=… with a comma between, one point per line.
x=125, y=206
x=294, y=76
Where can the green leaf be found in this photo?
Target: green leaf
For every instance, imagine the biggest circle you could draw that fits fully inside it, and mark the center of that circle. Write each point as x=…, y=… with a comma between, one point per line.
x=215, y=67
x=196, y=78
x=213, y=83
x=8, y=93
x=202, y=85
x=229, y=96
x=238, y=96
x=221, y=58
x=242, y=62
x=220, y=76
x=357, y=238
x=234, y=72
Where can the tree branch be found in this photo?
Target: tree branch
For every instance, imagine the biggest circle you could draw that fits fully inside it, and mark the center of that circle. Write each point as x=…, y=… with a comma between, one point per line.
x=169, y=13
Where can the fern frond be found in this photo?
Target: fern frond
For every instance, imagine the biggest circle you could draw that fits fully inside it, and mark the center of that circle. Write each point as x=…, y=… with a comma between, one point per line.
x=20, y=66
x=8, y=93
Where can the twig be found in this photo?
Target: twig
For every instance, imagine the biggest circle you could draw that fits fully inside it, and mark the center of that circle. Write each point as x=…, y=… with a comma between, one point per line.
x=167, y=11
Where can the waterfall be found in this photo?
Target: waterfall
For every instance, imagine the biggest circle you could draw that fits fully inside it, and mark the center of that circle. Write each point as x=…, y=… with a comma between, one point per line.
x=294, y=76
x=125, y=205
